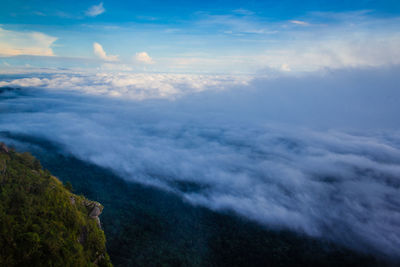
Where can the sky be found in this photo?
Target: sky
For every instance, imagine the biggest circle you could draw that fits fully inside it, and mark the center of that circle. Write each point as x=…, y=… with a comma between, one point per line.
x=241, y=37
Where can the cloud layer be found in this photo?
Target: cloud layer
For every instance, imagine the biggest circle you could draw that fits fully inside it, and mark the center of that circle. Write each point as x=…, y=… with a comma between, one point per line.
x=263, y=150
x=131, y=85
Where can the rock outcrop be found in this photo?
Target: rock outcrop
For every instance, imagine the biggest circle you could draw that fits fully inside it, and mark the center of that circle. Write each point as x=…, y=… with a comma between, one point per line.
x=3, y=148
x=94, y=210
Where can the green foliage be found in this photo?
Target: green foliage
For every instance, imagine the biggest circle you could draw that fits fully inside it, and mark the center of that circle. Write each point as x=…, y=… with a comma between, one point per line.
x=40, y=225
x=68, y=186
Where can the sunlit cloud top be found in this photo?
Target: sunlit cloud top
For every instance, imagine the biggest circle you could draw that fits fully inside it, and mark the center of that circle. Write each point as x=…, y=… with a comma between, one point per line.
x=223, y=37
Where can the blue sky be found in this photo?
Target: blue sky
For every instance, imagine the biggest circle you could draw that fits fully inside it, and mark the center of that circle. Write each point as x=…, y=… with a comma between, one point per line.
x=200, y=36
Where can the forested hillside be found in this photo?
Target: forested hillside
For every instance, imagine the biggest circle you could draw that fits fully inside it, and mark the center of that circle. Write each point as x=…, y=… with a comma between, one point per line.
x=42, y=223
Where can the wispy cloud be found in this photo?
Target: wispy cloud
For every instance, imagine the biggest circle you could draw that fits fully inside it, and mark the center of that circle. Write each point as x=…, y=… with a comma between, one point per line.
x=14, y=43
x=95, y=10
x=242, y=11
x=38, y=13
x=100, y=53
x=299, y=22
x=235, y=24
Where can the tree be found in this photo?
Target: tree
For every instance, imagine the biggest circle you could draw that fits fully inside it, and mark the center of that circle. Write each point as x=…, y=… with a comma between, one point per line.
x=68, y=186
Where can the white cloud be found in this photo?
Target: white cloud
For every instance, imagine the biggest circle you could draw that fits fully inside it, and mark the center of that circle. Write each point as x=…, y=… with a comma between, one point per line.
x=143, y=57
x=99, y=52
x=299, y=22
x=95, y=10
x=14, y=43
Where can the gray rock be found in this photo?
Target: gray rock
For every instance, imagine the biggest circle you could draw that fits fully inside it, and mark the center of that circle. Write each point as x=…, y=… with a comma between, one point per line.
x=95, y=212
x=3, y=148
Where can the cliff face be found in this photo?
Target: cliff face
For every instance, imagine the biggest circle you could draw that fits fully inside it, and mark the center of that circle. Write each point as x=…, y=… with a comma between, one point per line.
x=41, y=222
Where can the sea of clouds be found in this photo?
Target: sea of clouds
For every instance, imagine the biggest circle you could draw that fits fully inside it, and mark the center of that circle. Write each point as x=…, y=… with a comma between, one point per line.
x=137, y=86
x=316, y=153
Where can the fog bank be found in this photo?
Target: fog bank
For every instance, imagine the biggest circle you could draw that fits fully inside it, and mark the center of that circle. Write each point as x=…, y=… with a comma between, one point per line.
x=318, y=154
